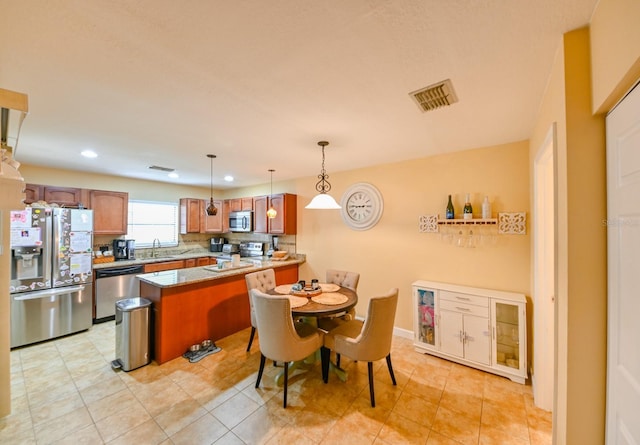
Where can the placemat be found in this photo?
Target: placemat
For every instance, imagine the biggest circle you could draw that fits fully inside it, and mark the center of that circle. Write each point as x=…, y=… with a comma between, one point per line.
x=330, y=298
x=329, y=287
x=297, y=301
x=283, y=289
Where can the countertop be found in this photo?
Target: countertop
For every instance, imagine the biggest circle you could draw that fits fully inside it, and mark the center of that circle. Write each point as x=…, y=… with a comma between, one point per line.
x=190, y=275
x=159, y=259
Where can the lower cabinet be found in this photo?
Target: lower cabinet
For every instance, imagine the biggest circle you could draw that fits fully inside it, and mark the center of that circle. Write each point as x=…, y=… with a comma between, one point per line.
x=482, y=328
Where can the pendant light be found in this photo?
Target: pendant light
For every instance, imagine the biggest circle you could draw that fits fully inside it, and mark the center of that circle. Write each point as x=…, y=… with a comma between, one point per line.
x=212, y=210
x=323, y=200
x=271, y=213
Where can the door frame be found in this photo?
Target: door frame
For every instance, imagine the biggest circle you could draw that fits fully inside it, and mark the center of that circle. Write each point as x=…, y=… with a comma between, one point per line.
x=544, y=272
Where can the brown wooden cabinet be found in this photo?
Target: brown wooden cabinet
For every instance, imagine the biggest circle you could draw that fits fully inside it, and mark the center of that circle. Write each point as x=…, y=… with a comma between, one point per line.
x=190, y=215
x=260, y=205
x=205, y=261
x=197, y=262
x=240, y=204
x=64, y=196
x=110, y=209
x=286, y=220
x=110, y=212
x=165, y=265
x=194, y=218
x=225, y=216
x=33, y=193
x=213, y=223
x=190, y=262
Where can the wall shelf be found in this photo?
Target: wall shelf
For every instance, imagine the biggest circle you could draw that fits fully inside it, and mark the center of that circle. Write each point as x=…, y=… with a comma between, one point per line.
x=509, y=223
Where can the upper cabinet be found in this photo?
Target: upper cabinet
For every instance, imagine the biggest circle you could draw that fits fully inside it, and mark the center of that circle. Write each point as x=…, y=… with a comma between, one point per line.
x=260, y=224
x=110, y=209
x=240, y=204
x=211, y=223
x=285, y=222
x=62, y=196
x=194, y=218
x=225, y=215
x=33, y=193
x=190, y=215
x=110, y=212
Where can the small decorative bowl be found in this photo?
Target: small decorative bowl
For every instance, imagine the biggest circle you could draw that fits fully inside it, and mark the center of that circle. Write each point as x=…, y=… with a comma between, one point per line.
x=194, y=348
x=206, y=344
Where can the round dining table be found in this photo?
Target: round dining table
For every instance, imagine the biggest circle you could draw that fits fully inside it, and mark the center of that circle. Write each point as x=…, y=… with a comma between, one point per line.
x=319, y=310
x=311, y=311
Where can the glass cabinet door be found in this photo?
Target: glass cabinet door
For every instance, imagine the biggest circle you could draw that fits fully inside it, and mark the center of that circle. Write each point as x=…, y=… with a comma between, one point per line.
x=426, y=332
x=508, y=334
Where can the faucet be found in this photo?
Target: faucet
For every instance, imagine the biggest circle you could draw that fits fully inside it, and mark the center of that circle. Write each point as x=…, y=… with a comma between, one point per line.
x=153, y=247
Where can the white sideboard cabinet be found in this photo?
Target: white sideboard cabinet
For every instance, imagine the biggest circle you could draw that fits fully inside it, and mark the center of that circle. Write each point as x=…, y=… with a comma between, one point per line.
x=482, y=328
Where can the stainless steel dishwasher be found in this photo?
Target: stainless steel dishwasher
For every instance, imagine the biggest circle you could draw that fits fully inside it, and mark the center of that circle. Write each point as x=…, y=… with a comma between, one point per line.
x=113, y=284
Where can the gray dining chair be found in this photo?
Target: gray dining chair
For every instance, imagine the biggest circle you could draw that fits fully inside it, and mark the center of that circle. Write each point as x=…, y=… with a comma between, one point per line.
x=368, y=340
x=282, y=339
x=262, y=280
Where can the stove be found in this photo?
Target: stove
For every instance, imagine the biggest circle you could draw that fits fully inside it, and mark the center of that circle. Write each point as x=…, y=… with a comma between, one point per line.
x=244, y=249
x=251, y=249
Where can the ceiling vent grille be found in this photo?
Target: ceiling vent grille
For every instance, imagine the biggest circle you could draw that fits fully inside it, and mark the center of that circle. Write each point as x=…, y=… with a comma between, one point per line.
x=434, y=96
x=162, y=169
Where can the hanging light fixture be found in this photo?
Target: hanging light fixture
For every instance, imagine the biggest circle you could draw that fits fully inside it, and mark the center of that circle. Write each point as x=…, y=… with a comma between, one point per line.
x=323, y=200
x=211, y=208
x=271, y=213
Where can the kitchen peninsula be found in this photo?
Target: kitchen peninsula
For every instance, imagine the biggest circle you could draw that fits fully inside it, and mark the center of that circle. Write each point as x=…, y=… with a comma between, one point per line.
x=198, y=303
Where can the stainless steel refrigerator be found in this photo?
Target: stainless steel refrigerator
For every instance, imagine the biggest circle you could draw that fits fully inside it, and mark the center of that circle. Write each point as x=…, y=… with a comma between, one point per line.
x=51, y=280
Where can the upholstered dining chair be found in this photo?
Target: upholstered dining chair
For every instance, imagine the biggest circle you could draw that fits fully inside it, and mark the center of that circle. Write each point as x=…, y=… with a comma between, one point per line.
x=262, y=280
x=282, y=339
x=365, y=341
x=345, y=279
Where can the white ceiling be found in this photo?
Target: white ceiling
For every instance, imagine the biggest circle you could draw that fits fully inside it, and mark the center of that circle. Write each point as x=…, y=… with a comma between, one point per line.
x=259, y=83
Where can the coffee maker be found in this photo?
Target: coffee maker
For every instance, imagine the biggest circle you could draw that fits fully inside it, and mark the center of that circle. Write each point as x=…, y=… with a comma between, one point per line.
x=131, y=249
x=120, y=249
x=216, y=244
x=124, y=249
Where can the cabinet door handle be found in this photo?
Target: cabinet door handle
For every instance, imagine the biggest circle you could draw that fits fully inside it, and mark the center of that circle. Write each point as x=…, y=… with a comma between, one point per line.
x=463, y=298
x=466, y=309
x=461, y=336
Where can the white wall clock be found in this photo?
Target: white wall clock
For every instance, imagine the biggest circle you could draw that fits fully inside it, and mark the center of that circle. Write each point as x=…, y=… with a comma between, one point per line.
x=362, y=206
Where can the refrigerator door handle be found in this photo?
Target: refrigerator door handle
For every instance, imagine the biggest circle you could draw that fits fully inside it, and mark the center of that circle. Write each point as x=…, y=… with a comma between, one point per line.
x=48, y=293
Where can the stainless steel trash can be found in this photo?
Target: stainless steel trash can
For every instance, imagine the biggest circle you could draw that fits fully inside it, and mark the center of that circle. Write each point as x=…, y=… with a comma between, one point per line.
x=132, y=333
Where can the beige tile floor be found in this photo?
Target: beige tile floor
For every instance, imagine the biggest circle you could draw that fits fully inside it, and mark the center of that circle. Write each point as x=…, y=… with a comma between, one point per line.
x=64, y=391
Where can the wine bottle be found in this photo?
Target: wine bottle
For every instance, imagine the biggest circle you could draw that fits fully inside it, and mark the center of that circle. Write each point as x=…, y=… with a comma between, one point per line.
x=467, y=210
x=486, y=208
x=450, y=212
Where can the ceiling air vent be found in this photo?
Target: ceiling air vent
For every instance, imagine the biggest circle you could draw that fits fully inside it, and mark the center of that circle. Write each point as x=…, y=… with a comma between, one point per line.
x=434, y=96
x=162, y=169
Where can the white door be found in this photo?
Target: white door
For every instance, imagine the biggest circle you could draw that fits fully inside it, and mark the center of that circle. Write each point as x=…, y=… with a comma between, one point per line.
x=623, y=237
x=451, y=332
x=477, y=340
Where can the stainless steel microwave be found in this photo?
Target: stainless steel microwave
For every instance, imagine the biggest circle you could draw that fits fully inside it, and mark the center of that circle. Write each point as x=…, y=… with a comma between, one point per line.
x=241, y=221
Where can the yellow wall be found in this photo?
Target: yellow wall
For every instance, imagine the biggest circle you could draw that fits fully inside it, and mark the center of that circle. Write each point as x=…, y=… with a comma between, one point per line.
x=394, y=253
x=615, y=37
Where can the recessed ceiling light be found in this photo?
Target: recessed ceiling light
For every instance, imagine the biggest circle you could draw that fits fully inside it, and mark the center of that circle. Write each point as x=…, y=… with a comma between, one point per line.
x=173, y=175
x=89, y=154
x=228, y=178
